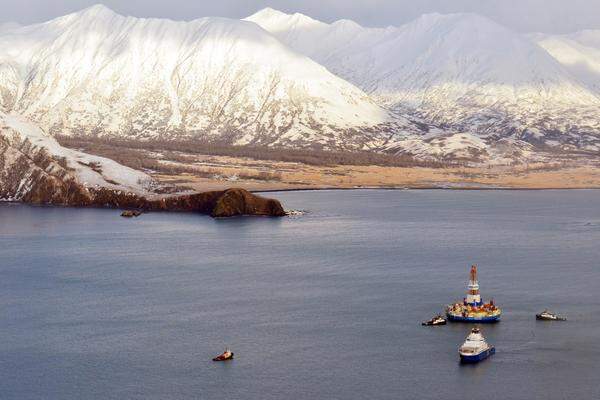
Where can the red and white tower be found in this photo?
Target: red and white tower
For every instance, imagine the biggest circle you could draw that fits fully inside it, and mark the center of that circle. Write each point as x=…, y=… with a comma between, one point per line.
x=473, y=297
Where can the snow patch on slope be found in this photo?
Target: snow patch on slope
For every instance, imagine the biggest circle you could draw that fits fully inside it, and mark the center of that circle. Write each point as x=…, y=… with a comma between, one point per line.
x=90, y=170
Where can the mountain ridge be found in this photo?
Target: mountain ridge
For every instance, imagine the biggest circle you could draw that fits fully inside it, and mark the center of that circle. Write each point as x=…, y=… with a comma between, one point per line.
x=212, y=78
x=436, y=87
x=463, y=72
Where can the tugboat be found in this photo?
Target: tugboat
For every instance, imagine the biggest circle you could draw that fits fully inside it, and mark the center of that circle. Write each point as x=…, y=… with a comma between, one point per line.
x=475, y=348
x=226, y=355
x=472, y=308
x=437, y=320
x=548, y=316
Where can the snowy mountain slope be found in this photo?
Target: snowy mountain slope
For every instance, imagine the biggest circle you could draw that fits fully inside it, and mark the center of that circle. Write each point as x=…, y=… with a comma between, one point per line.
x=96, y=72
x=328, y=44
x=443, y=85
x=578, y=52
x=461, y=71
x=8, y=26
x=325, y=43
x=26, y=152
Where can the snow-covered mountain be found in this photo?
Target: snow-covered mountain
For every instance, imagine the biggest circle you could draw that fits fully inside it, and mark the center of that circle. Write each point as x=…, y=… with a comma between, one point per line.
x=458, y=86
x=97, y=72
x=463, y=72
x=8, y=26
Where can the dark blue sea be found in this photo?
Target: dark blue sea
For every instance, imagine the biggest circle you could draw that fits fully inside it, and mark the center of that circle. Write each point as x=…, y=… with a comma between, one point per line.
x=326, y=305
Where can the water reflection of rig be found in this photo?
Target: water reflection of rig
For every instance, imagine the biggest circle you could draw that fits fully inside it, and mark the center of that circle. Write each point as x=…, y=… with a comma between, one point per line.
x=472, y=308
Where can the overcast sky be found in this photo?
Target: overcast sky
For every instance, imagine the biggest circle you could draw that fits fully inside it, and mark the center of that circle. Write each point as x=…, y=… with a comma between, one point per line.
x=551, y=16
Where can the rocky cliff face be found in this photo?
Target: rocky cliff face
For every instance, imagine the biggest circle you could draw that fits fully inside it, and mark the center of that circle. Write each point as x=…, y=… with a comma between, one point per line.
x=30, y=174
x=35, y=169
x=240, y=202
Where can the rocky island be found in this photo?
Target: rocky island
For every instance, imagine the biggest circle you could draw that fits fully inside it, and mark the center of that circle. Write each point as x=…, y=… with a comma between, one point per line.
x=35, y=169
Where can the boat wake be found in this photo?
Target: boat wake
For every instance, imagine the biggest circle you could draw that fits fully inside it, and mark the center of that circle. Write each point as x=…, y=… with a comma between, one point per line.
x=295, y=213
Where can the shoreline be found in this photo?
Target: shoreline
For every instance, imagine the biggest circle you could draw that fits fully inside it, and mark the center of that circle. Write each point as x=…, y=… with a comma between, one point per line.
x=266, y=191
x=418, y=188
x=229, y=202
x=312, y=189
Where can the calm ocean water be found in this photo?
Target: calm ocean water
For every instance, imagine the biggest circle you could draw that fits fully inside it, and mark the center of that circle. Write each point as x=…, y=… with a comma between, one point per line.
x=323, y=306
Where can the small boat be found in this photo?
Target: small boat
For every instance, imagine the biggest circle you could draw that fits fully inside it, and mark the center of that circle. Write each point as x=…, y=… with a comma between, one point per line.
x=226, y=355
x=131, y=213
x=437, y=320
x=548, y=316
x=475, y=348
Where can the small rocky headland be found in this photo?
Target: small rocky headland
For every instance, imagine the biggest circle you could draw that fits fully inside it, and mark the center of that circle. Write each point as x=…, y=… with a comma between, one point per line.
x=218, y=204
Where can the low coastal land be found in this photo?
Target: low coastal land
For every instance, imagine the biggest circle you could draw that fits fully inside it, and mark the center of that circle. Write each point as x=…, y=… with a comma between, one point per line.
x=305, y=177
x=198, y=170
